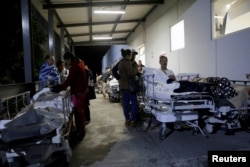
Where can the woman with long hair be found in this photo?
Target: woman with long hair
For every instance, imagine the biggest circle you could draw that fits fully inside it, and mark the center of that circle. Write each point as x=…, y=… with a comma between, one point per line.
x=77, y=82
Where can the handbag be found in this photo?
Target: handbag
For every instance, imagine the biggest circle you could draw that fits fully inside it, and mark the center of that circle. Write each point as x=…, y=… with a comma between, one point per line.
x=91, y=93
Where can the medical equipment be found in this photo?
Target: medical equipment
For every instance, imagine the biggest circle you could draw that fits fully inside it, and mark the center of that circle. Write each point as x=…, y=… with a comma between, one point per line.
x=36, y=135
x=168, y=107
x=189, y=108
x=113, y=89
x=234, y=113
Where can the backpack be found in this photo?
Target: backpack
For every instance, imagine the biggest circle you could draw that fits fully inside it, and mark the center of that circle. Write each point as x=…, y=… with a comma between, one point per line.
x=135, y=84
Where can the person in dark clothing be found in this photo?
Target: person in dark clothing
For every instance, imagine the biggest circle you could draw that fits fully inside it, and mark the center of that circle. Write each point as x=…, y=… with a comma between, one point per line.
x=126, y=70
x=134, y=63
x=115, y=71
x=90, y=80
x=78, y=84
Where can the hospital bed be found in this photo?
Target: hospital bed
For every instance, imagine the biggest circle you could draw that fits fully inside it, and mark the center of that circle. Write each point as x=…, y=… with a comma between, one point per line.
x=179, y=109
x=36, y=135
x=185, y=109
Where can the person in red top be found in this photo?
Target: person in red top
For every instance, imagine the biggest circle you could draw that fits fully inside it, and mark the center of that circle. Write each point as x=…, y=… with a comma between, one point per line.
x=77, y=82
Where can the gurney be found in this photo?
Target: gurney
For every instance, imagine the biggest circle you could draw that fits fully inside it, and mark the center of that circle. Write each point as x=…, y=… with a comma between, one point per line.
x=113, y=89
x=192, y=108
x=232, y=113
x=168, y=107
x=36, y=135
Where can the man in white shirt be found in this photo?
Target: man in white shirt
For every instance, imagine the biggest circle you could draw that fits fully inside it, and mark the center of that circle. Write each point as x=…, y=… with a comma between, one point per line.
x=166, y=74
x=62, y=70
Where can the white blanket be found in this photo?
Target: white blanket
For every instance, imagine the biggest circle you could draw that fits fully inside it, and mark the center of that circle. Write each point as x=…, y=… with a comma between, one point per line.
x=47, y=99
x=163, y=95
x=155, y=81
x=45, y=114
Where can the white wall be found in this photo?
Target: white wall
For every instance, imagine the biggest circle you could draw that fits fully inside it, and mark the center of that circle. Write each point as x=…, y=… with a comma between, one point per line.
x=233, y=55
x=228, y=56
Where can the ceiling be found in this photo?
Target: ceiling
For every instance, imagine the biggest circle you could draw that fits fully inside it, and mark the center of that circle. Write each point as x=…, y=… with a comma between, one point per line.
x=81, y=24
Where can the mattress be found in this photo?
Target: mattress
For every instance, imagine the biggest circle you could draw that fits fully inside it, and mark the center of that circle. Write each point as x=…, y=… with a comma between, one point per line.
x=164, y=95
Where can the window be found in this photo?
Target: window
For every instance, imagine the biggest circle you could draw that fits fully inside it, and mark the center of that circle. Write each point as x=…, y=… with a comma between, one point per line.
x=230, y=16
x=177, y=36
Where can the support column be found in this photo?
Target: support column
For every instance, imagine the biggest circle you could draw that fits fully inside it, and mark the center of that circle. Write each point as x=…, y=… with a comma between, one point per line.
x=62, y=42
x=51, y=32
x=27, y=40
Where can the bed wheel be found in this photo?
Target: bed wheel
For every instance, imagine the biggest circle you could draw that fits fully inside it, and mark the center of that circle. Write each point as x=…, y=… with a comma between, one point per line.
x=210, y=128
x=163, y=133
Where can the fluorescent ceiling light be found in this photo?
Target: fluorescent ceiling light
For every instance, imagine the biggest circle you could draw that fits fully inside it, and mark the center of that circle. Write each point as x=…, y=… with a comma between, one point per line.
x=109, y=12
x=102, y=38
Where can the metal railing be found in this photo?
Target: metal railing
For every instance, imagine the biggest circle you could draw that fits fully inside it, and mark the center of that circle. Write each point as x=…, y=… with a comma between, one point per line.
x=11, y=105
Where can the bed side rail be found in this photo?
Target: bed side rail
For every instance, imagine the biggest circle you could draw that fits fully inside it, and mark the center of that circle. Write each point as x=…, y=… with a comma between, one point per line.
x=148, y=81
x=11, y=105
x=240, y=82
x=186, y=76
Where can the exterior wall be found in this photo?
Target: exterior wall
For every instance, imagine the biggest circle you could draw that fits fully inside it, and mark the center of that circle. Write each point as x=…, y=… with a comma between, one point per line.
x=227, y=56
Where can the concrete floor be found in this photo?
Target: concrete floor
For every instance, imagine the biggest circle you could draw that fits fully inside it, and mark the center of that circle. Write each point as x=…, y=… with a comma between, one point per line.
x=109, y=143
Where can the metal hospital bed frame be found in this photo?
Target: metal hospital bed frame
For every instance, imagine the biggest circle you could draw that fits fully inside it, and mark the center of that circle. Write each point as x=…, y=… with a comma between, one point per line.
x=188, y=109
x=17, y=141
x=180, y=108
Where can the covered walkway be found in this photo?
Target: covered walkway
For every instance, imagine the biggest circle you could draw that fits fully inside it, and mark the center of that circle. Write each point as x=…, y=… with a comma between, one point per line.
x=109, y=143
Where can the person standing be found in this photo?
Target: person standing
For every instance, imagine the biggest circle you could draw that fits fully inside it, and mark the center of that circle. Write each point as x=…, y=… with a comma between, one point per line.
x=140, y=66
x=62, y=70
x=133, y=55
x=126, y=70
x=48, y=73
x=90, y=93
x=99, y=83
x=77, y=81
